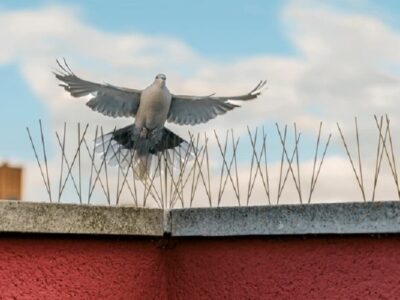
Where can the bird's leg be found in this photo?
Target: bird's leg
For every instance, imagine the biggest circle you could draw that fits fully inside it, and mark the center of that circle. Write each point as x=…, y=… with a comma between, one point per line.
x=144, y=132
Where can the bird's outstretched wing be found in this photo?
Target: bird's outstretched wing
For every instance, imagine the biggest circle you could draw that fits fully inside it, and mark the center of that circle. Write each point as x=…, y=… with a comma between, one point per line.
x=191, y=110
x=107, y=99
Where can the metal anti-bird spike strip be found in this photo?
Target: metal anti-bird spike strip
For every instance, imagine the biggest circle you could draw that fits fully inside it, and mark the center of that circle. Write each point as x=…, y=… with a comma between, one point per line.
x=184, y=175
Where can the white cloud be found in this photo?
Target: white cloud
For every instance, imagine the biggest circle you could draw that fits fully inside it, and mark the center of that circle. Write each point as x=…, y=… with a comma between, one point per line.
x=346, y=65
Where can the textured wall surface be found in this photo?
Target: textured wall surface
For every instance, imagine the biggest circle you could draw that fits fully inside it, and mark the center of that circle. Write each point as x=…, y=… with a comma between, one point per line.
x=290, y=268
x=80, y=268
x=68, y=267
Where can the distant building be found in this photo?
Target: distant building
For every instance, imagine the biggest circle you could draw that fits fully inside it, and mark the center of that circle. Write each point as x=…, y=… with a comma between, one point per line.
x=10, y=183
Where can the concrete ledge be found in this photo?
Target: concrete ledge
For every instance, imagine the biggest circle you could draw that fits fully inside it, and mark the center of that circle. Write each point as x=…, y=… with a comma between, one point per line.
x=338, y=218
x=31, y=217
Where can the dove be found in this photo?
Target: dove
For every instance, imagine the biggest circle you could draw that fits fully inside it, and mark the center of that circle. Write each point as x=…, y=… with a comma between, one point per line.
x=151, y=107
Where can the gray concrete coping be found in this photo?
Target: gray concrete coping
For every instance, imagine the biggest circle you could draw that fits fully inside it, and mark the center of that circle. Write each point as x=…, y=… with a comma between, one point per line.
x=29, y=217
x=338, y=218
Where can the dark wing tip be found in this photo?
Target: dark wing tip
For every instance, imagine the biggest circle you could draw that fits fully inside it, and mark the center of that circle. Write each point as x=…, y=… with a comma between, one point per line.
x=64, y=69
x=259, y=88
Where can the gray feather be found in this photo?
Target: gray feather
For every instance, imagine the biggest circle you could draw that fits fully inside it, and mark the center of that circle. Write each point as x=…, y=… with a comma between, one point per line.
x=192, y=110
x=108, y=99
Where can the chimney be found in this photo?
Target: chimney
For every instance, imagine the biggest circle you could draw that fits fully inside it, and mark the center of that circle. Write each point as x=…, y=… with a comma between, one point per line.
x=10, y=182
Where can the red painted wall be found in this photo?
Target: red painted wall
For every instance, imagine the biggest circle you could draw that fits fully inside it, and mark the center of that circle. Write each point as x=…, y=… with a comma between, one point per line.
x=232, y=268
x=290, y=268
x=82, y=268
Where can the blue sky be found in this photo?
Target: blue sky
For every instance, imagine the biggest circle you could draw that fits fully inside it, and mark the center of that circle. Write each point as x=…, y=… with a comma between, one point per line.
x=324, y=61
x=219, y=30
x=214, y=28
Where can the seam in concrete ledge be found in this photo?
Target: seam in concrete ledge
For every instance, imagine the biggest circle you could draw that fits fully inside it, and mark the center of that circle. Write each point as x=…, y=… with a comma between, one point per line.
x=167, y=221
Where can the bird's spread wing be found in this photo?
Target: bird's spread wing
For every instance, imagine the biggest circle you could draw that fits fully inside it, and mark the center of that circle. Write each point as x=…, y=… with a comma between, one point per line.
x=107, y=99
x=191, y=110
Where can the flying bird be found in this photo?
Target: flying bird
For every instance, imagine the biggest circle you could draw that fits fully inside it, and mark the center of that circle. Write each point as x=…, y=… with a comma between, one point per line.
x=151, y=107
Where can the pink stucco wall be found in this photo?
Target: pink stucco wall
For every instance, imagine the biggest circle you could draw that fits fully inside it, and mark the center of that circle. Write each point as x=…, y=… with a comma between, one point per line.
x=199, y=268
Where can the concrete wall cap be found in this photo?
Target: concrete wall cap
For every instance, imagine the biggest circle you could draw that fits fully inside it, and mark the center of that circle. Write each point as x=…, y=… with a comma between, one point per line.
x=32, y=217
x=336, y=218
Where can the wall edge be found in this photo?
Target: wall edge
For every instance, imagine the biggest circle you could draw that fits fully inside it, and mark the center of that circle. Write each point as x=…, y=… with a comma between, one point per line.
x=335, y=218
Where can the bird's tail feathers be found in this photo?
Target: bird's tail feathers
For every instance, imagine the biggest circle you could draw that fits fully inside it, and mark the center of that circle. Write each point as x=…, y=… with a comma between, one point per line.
x=147, y=158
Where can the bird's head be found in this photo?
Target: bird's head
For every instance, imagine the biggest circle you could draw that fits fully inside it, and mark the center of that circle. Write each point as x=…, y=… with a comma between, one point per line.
x=160, y=79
